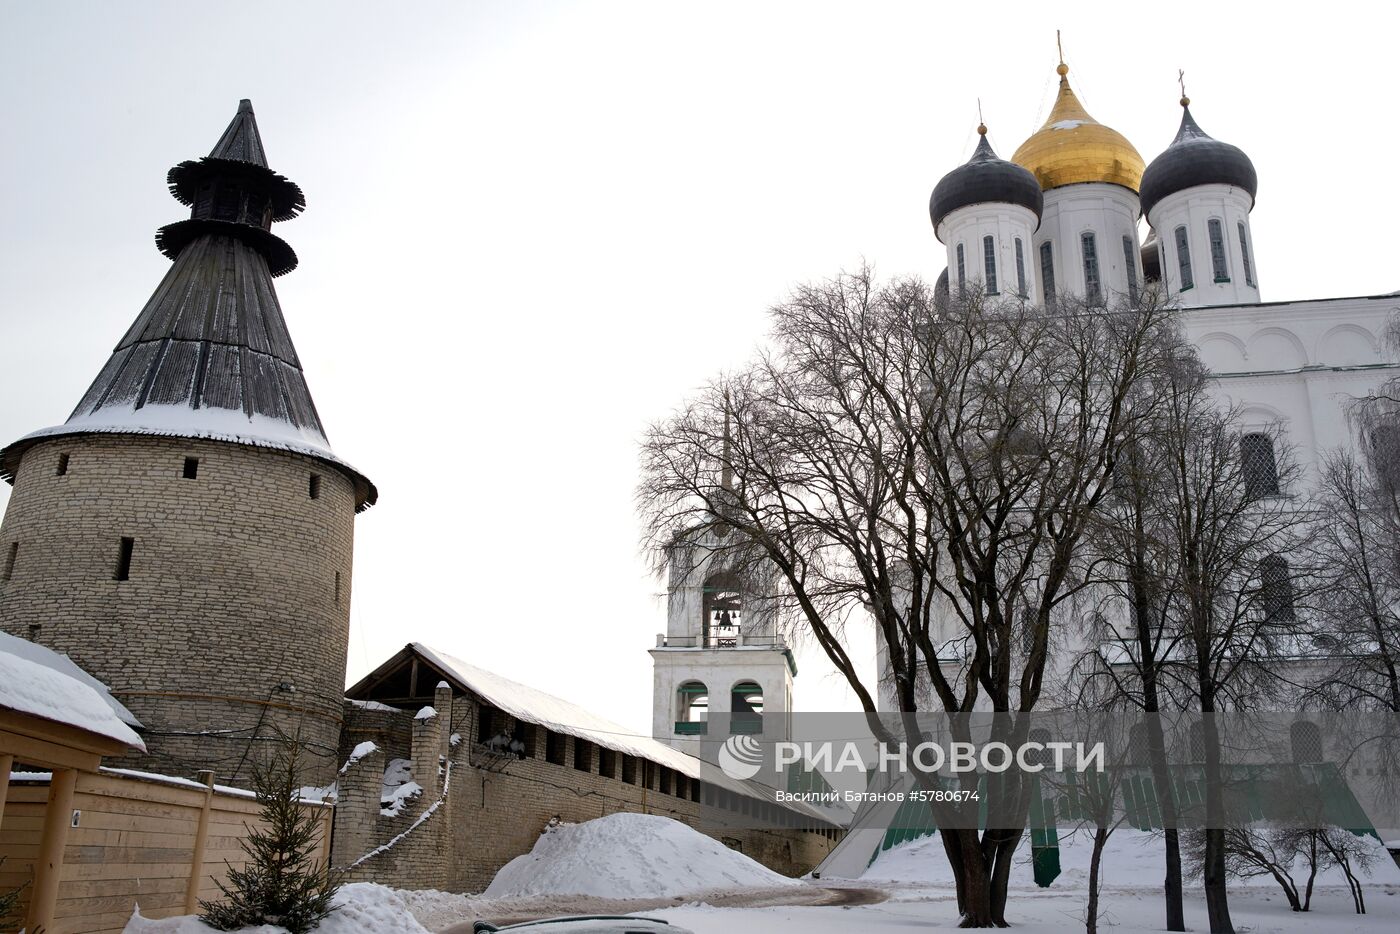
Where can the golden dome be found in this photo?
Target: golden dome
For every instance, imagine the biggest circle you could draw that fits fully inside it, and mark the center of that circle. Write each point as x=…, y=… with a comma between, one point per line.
x=1074, y=147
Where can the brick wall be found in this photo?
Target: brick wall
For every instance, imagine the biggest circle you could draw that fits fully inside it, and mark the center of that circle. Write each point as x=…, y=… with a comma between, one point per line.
x=232, y=590
x=496, y=804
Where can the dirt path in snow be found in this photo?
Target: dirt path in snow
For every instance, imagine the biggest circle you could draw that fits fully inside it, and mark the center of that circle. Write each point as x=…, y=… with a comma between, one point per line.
x=505, y=911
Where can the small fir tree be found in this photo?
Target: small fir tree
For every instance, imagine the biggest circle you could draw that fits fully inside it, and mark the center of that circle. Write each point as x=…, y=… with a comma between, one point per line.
x=282, y=883
x=9, y=901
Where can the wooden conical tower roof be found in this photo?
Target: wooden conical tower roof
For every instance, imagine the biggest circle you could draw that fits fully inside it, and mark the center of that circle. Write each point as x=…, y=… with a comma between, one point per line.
x=210, y=356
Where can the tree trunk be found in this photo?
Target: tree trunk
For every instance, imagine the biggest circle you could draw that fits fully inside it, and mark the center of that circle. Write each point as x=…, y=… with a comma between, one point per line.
x=1312, y=870
x=1091, y=920
x=1156, y=742
x=1217, y=900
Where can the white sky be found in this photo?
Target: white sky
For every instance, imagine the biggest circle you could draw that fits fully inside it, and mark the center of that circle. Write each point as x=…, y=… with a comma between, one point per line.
x=533, y=228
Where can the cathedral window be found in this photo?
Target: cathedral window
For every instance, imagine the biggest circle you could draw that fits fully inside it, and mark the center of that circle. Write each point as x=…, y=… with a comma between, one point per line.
x=1258, y=465
x=1183, y=258
x=1305, y=739
x=989, y=263
x=1091, y=268
x=1276, y=590
x=1130, y=264
x=1218, y=264
x=128, y=546
x=314, y=487
x=746, y=706
x=1020, y=270
x=1385, y=456
x=1244, y=256
x=191, y=471
x=962, y=270
x=1047, y=272
x=692, y=708
x=10, y=559
x=62, y=465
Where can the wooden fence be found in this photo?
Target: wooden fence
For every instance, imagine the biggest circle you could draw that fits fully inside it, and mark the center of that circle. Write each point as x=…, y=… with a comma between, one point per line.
x=135, y=840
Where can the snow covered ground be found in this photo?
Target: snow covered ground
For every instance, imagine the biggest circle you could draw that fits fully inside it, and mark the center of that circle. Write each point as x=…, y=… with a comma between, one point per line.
x=654, y=866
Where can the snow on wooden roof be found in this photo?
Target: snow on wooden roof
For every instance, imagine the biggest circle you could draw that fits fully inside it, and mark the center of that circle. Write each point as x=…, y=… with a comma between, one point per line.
x=33, y=688
x=61, y=663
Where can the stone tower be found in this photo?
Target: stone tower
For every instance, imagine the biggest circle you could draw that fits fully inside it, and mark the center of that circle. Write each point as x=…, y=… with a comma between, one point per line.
x=186, y=535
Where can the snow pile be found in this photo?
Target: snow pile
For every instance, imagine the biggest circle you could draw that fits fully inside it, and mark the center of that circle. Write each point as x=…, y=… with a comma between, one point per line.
x=32, y=688
x=361, y=908
x=629, y=856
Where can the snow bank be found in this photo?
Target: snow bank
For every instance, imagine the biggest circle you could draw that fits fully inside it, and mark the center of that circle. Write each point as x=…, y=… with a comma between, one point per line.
x=629, y=856
x=32, y=688
x=361, y=908
x=1131, y=859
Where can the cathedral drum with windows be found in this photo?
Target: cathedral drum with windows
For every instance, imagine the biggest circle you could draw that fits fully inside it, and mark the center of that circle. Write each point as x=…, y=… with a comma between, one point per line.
x=186, y=535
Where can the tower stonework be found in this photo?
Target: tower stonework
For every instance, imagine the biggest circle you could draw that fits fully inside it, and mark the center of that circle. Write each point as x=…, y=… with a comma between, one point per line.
x=187, y=535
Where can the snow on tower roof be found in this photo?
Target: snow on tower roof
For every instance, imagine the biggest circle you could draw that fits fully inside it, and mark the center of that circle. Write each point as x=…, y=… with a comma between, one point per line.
x=48, y=685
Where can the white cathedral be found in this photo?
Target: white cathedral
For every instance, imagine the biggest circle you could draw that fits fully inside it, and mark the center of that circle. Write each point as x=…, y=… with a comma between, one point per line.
x=1064, y=215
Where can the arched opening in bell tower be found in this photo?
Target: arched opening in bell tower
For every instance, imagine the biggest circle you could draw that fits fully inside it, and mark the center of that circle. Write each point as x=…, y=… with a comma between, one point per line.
x=723, y=622
x=746, y=706
x=692, y=708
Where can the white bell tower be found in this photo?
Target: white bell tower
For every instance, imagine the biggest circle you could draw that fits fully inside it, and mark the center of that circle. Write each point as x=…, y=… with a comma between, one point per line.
x=721, y=656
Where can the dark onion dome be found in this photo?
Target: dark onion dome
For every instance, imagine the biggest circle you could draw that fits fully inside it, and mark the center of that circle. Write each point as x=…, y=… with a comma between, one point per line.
x=1192, y=159
x=985, y=179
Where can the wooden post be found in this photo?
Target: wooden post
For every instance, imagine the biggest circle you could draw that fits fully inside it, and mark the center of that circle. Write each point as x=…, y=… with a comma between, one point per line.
x=58, y=816
x=7, y=762
x=201, y=841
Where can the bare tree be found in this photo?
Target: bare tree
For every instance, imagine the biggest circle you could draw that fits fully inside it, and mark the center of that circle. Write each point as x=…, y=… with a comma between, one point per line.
x=1204, y=604
x=930, y=469
x=1358, y=604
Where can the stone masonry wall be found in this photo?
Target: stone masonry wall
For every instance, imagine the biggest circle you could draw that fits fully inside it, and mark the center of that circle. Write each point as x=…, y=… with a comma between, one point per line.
x=235, y=616
x=496, y=804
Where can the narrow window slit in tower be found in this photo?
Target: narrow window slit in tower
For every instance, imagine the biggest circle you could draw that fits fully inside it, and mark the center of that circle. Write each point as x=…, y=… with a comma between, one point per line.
x=337, y=588
x=62, y=465
x=315, y=488
x=124, y=559
x=10, y=559
x=191, y=468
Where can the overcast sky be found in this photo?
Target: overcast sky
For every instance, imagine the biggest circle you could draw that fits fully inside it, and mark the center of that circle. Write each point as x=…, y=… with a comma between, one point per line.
x=532, y=228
